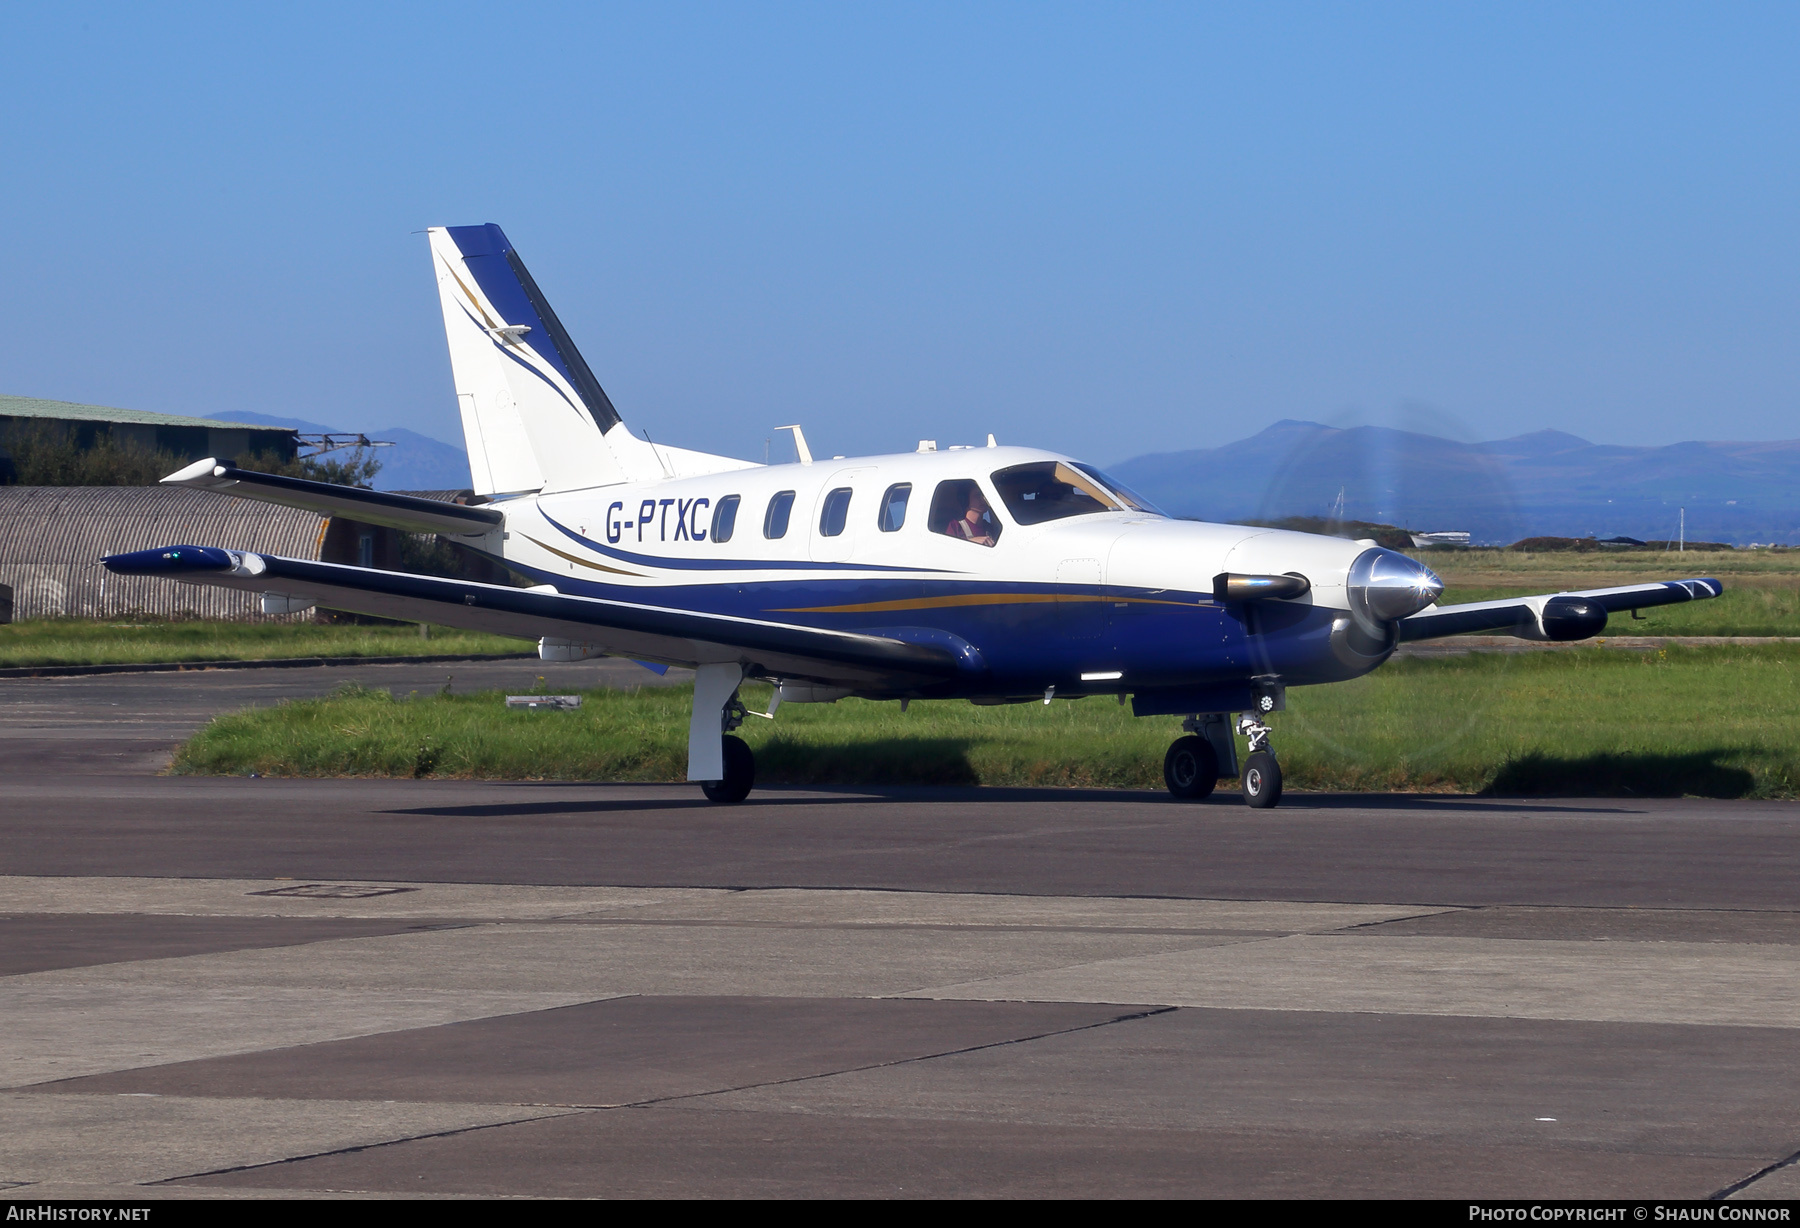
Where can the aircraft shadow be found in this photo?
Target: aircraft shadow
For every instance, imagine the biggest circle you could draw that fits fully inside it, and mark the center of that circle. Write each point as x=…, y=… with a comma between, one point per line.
x=789, y=795
x=1697, y=773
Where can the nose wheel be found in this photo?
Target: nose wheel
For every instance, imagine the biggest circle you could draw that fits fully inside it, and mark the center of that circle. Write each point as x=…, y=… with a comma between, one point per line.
x=1262, y=780
x=1262, y=774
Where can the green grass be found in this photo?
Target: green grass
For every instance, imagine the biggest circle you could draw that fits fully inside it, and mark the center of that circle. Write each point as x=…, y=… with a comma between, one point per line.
x=80, y=641
x=1719, y=722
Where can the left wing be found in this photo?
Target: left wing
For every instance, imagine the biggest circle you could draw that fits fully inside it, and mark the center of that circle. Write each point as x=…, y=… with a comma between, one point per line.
x=895, y=658
x=405, y=512
x=1553, y=616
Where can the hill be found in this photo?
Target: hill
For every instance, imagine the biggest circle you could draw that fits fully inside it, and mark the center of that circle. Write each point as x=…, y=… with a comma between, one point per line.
x=1545, y=484
x=415, y=462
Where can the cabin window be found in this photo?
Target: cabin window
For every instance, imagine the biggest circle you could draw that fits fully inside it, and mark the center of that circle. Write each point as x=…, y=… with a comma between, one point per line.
x=960, y=510
x=775, y=520
x=893, y=507
x=1130, y=498
x=835, y=512
x=1050, y=490
x=724, y=518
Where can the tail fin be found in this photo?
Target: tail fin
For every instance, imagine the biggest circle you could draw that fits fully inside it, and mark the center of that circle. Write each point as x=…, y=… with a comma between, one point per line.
x=534, y=416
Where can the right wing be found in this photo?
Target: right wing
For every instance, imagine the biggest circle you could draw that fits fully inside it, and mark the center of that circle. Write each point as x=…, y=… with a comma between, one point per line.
x=1553, y=616
x=898, y=658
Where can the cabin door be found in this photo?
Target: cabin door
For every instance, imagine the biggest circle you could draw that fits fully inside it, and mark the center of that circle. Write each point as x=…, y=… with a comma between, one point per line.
x=844, y=511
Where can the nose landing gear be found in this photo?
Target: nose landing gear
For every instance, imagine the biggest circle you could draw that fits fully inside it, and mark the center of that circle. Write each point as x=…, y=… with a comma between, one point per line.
x=1262, y=775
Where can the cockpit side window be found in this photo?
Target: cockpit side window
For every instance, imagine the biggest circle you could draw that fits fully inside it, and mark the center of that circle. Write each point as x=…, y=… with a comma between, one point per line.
x=960, y=510
x=1050, y=490
x=1129, y=497
x=725, y=518
x=893, y=507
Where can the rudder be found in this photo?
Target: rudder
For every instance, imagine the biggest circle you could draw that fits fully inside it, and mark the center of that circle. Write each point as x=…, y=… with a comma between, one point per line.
x=534, y=416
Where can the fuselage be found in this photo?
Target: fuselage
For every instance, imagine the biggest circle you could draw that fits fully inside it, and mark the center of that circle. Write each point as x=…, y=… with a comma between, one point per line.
x=1073, y=584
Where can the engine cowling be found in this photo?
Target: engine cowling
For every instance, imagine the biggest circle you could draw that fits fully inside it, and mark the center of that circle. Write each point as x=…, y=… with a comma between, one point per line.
x=1563, y=619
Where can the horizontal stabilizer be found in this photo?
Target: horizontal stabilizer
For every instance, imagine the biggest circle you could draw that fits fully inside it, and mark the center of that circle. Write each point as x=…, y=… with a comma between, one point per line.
x=621, y=628
x=407, y=512
x=1553, y=616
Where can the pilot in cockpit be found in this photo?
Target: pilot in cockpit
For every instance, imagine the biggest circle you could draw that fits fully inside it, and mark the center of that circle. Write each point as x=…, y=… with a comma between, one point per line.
x=976, y=523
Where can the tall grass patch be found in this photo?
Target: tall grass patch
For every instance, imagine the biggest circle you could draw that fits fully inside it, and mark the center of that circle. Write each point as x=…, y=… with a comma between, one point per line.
x=136, y=640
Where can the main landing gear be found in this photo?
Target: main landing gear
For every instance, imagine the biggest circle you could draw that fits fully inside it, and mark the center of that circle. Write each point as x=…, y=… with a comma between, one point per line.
x=1195, y=763
x=740, y=773
x=722, y=764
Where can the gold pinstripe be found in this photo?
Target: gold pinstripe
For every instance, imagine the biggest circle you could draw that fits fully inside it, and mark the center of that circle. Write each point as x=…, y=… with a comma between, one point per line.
x=617, y=571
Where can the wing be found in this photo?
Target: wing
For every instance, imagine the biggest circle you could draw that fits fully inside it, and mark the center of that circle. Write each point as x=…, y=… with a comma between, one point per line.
x=889, y=661
x=1553, y=616
x=352, y=502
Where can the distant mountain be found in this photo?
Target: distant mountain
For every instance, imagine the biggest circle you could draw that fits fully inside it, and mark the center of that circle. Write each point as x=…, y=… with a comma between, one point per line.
x=419, y=462
x=1548, y=483
x=415, y=462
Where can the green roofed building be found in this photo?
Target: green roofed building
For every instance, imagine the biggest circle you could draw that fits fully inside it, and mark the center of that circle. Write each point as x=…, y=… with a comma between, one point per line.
x=87, y=426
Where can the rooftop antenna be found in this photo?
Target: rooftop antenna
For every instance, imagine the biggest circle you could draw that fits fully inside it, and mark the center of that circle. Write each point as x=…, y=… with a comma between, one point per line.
x=654, y=451
x=321, y=444
x=799, y=443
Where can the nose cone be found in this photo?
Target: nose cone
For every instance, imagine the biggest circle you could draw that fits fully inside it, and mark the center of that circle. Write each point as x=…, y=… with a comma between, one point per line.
x=1385, y=586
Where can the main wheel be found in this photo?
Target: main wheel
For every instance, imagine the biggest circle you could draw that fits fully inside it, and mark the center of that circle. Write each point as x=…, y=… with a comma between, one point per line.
x=1191, y=768
x=1262, y=780
x=740, y=773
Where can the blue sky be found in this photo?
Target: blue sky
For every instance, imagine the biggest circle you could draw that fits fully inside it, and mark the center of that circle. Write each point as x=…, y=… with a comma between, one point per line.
x=1108, y=229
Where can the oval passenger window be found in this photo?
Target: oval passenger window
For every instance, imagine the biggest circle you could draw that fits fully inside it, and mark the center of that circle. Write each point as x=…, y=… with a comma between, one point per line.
x=775, y=520
x=835, y=512
x=724, y=518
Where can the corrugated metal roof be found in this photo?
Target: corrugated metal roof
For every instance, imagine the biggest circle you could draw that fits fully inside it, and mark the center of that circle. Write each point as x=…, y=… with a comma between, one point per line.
x=36, y=407
x=52, y=539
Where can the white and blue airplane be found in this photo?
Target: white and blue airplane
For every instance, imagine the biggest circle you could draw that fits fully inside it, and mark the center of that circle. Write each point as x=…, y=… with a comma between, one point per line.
x=989, y=573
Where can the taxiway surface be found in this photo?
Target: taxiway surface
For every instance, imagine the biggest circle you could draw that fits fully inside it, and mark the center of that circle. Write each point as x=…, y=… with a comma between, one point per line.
x=231, y=986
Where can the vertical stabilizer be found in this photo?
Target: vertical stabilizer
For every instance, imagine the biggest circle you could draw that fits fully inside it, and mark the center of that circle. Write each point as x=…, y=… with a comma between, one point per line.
x=534, y=416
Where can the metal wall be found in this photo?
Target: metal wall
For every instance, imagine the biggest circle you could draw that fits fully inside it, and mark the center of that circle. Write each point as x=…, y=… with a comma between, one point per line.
x=53, y=537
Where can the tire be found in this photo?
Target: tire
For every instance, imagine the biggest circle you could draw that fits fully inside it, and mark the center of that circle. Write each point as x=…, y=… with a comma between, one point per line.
x=1262, y=780
x=1191, y=768
x=740, y=774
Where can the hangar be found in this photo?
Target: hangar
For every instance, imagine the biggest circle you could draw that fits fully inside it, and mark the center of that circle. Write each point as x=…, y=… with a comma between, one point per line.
x=189, y=439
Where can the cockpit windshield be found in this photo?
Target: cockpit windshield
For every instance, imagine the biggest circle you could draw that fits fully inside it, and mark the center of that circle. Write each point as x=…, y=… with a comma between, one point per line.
x=1129, y=497
x=1050, y=490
